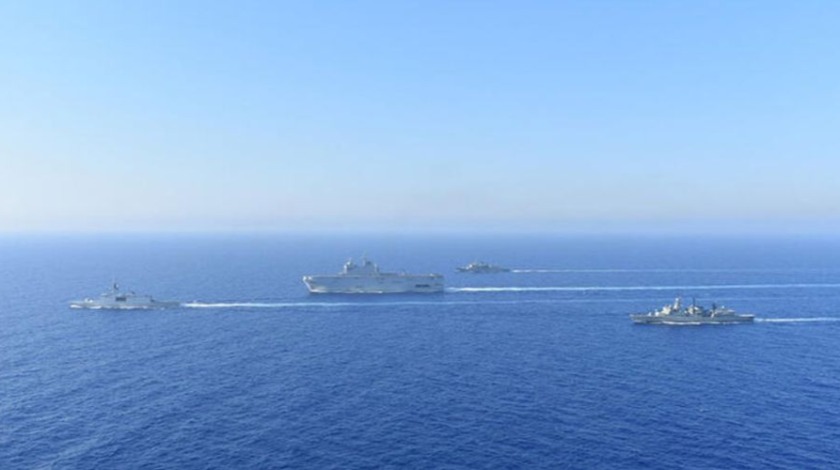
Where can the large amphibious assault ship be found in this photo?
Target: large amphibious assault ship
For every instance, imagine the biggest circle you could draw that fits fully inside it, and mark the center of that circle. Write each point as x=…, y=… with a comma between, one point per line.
x=116, y=299
x=673, y=314
x=366, y=278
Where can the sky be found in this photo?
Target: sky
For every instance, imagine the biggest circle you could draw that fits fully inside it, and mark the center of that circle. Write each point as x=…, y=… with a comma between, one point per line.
x=591, y=116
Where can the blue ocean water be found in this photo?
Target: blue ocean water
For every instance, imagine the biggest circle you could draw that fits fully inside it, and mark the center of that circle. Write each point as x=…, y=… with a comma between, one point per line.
x=537, y=368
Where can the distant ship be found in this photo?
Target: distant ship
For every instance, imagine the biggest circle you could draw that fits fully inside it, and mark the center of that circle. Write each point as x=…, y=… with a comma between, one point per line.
x=116, y=299
x=479, y=267
x=673, y=314
x=366, y=278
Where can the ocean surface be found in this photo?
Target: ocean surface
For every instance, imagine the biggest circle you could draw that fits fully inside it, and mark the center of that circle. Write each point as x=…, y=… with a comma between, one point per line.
x=537, y=368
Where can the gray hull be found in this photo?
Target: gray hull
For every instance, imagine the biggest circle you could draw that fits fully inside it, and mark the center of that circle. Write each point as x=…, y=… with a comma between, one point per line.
x=110, y=304
x=490, y=270
x=382, y=284
x=688, y=320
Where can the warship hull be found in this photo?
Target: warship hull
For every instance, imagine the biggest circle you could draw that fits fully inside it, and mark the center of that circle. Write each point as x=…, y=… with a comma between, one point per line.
x=678, y=320
x=382, y=284
x=110, y=304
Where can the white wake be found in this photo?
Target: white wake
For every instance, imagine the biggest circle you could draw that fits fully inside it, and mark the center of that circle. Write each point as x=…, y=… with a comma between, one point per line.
x=639, y=288
x=257, y=304
x=301, y=305
x=664, y=270
x=798, y=320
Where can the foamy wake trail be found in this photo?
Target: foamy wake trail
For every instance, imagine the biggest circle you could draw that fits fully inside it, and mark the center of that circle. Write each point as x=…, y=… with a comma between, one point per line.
x=798, y=320
x=560, y=271
x=659, y=270
x=639, y=288
x=532, y=271
x=255, y=304
x=300, y=305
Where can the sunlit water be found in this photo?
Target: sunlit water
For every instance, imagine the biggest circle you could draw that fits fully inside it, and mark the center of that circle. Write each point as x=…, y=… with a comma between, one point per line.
x=536, y=368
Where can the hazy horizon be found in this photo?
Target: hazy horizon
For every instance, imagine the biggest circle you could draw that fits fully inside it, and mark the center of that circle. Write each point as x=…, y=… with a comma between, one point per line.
x=579, y=117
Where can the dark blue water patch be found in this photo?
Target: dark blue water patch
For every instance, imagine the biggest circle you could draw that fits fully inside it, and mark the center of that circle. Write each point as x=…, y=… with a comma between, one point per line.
x=546, y=372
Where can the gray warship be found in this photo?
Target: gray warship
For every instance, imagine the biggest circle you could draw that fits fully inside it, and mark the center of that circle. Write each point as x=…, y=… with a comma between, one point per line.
x=675, y=314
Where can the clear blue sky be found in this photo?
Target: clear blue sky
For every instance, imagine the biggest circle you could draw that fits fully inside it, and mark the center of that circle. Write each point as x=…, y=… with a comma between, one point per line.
x=590, y=115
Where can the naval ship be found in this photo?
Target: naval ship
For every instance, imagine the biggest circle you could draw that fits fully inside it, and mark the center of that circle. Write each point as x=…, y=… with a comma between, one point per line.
x=366, y=278
x=673, y=314
x=480, y=267
x=116, y=299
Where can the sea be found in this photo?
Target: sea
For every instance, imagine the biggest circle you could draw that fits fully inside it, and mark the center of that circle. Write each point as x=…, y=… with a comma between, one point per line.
x=537, y=368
